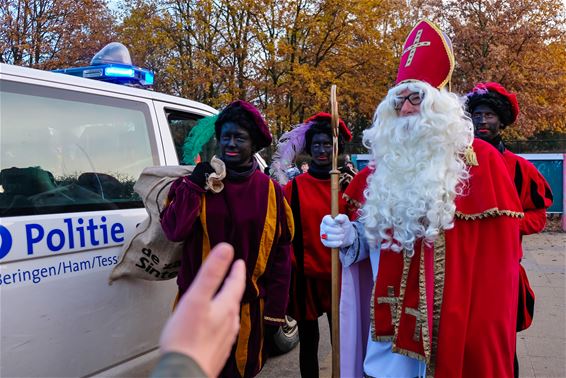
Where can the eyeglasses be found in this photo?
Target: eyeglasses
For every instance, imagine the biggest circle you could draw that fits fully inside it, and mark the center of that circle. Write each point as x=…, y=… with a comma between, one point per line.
x=414, y=98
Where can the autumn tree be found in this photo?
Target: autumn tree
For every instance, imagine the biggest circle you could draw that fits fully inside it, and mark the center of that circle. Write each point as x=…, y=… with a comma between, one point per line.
x=284, y=55
x=520, y=44
x=306, y=46
x=51, y=34
x=146, y=31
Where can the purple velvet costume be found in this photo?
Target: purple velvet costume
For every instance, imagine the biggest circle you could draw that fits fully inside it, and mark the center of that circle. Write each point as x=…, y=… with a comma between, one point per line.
x=252, y=214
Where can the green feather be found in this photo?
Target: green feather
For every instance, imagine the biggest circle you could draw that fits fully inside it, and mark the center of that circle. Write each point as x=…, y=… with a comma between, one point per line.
x=199, y=135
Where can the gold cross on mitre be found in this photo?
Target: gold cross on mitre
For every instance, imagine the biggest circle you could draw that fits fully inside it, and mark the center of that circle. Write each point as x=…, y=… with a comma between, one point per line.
x=413, y=48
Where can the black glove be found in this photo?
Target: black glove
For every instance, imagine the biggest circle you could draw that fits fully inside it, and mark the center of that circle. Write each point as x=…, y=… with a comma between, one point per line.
x=200, y=173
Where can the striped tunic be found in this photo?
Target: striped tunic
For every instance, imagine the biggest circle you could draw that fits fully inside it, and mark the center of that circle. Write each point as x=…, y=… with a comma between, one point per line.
x=252, y=214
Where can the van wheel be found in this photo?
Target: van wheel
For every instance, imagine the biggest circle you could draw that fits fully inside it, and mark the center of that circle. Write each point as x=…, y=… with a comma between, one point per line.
x=286, y=337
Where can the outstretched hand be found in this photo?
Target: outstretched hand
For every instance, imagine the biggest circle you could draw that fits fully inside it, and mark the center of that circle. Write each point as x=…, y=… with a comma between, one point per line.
x=204, y=325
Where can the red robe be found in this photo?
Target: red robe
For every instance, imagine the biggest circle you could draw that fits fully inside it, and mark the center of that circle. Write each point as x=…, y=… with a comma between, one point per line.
x=465, y=287
x=476, y=336
x=310, y=294
x=536, y=196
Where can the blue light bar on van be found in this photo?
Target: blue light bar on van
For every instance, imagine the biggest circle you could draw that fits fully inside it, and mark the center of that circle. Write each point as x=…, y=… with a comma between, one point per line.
x=114, y=73
x=149, y=77
x=119, y=72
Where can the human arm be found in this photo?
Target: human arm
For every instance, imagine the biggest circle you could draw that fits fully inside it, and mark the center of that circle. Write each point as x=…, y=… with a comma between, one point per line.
x=177, y=365
x=536, y=199
x=182, y=209
x=204, y=326
x=533, y=222
x=534, y=193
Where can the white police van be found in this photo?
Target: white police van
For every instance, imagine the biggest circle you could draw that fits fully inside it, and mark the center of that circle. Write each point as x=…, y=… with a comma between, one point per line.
x=71, y=149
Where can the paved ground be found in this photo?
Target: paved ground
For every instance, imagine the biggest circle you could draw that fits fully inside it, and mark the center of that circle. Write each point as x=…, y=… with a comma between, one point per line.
x=287, y=365
x=541, y=348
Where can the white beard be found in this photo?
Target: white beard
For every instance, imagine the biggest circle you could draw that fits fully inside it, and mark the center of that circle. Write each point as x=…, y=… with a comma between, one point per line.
x=419, y=169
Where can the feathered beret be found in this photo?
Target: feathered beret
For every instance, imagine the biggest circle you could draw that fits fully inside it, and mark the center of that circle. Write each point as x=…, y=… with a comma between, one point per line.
x=256, y=125
x=495, y=96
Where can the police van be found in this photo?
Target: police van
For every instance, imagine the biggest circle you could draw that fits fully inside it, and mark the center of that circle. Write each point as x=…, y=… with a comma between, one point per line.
x=71, y=149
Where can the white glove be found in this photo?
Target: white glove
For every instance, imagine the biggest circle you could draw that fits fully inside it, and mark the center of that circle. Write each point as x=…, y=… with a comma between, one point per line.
x=337, y=232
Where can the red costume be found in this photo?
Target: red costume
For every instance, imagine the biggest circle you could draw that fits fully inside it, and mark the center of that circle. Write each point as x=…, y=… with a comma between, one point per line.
x=465, y=287
x=250, y=212
x=536, y=196
x=481, y=265
x=309, y=195
x=451, y=303
x=309, y=198
x=533, y=190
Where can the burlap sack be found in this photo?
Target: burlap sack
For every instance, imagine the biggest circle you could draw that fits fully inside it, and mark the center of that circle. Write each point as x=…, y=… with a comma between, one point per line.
x=149, y=255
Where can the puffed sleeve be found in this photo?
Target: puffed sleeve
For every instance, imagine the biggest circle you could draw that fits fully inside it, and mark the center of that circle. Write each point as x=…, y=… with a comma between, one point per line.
x=536, y=197
x=182, y=209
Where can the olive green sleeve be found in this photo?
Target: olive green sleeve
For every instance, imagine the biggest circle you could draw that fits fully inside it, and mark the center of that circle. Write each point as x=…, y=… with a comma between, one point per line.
x=177, y=365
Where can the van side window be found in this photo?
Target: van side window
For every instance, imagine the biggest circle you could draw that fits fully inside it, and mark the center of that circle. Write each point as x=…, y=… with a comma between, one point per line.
x=67, y=151
x=180, y=125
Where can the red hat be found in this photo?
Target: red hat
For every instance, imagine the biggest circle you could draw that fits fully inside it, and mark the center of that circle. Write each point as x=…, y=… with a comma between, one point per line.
x=495, y=96
x=298, y=141
x=322, y=116
x=427, y=56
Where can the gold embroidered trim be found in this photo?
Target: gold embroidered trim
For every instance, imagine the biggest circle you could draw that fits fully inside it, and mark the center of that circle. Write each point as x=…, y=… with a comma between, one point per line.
x=447, y=49
x=470, y=156
x=382, y=338
x=390, y=300
x=409, y=353
x=494, y=212
x=406, y=266
x=351, y=201
x=439, y=276
x=279, y=320
x=374, y=337
x=404, y=277
x=423, y=308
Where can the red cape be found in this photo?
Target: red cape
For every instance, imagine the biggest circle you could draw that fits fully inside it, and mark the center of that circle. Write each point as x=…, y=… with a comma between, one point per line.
x=475, y=276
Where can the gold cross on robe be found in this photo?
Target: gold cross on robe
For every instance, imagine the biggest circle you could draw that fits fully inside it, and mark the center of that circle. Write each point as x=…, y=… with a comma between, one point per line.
x=419, y=323
x=392, y=301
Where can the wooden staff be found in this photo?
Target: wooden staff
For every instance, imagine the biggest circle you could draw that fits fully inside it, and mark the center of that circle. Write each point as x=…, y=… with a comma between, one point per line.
x=336, y=271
